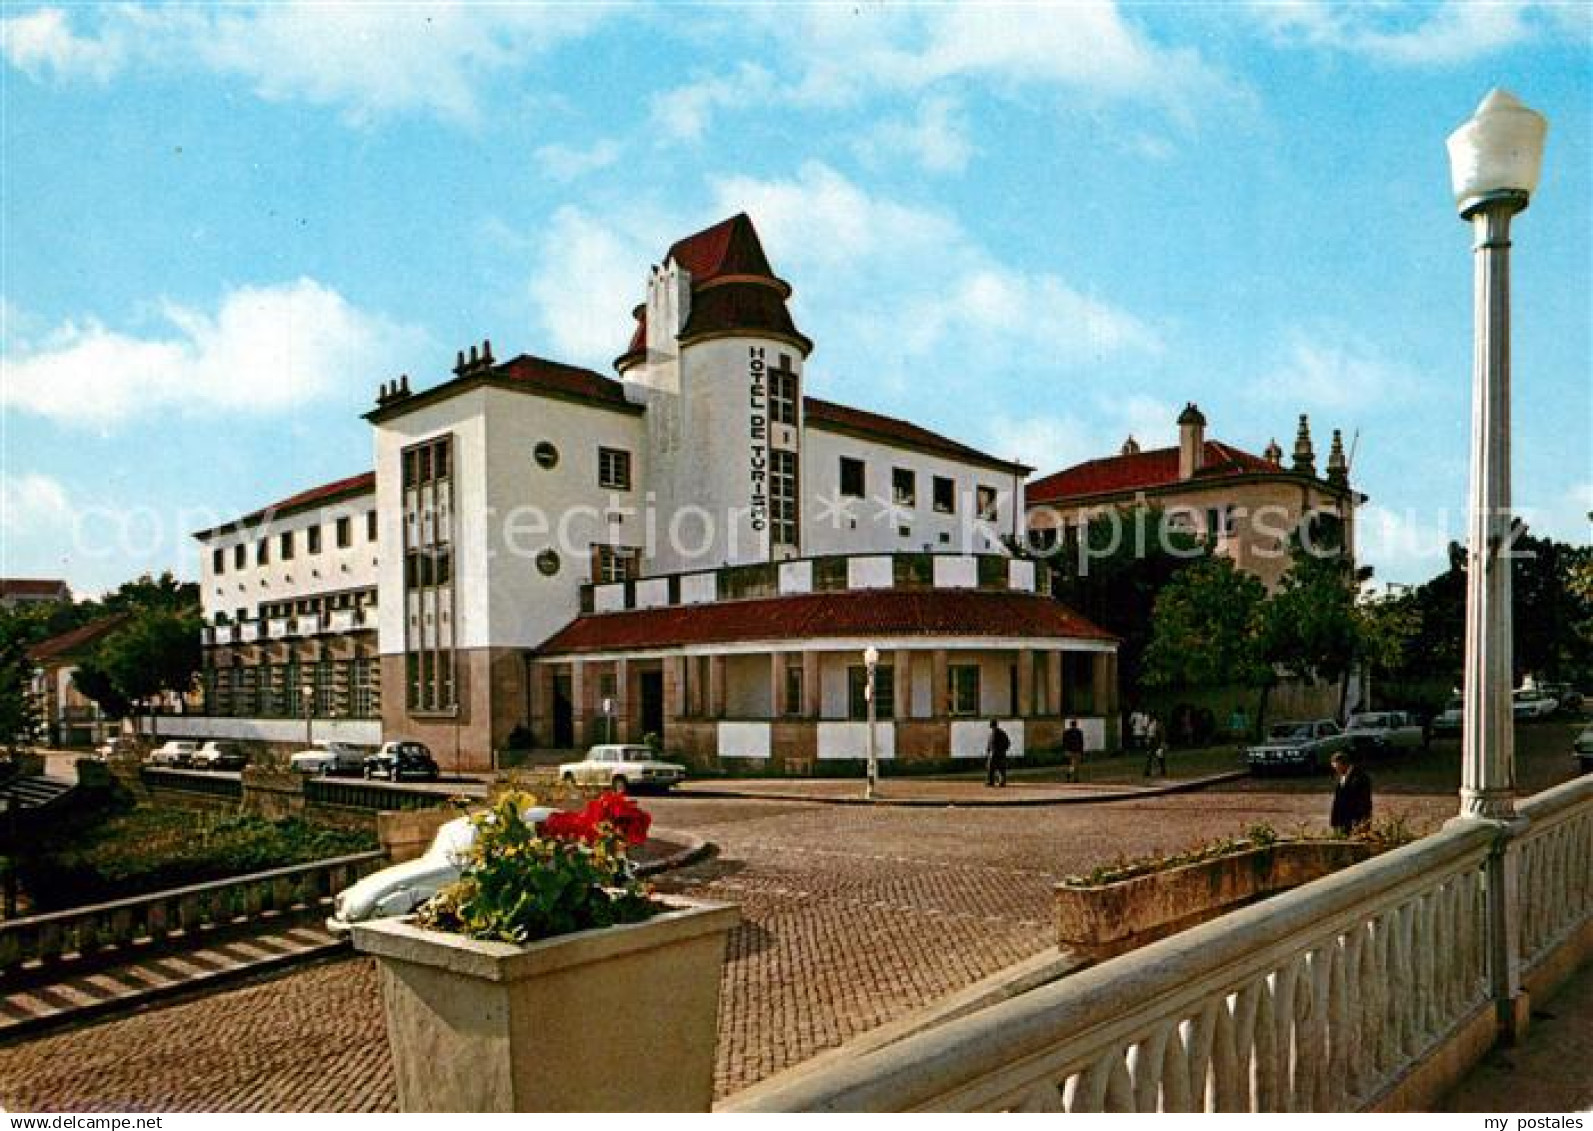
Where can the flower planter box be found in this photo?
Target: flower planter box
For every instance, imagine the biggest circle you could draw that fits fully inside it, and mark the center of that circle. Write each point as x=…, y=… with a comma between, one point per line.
x=619, y=1019
x=1103, y=920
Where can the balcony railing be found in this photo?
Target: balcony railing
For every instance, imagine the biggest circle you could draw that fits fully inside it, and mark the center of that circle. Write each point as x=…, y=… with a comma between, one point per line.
x=280, y=628
x=831, y=573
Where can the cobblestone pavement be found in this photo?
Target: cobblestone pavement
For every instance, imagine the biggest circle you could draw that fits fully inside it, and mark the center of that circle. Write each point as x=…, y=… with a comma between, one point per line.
x=852, y=917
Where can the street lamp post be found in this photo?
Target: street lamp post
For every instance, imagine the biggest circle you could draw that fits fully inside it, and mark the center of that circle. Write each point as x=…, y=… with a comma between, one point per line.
x=307, y=694
x=1494, y=162
x=871, y=664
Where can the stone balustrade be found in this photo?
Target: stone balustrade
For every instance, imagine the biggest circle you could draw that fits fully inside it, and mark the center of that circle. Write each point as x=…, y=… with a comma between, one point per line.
x=85, y=932
x=1553, y=856
x=1321, y=999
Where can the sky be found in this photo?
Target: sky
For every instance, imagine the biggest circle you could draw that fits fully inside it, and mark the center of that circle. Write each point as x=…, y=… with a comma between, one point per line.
x=1038, y=229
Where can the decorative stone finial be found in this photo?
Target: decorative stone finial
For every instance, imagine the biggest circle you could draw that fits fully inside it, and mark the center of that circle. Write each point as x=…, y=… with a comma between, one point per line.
x=1130, y=447
x=1304, y=454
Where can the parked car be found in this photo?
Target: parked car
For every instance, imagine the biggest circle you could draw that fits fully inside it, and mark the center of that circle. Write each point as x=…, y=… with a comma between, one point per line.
x=619, y=766
x=404, y=887
x=1378, y=732
x=1582, y=749
x=327, y=758
x=1306, y=745
x=121, y=746
x=402, y=759
x=219, y=756
x=1568, y=697
x=1533, y=704
x=1448, y=720
x=174, y=753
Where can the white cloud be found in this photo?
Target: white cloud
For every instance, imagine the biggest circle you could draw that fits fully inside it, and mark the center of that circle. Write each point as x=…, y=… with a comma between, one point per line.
x=1413, y=35
x=31, y=501
x=1051, y=441
x=265, y=349
x=565, y=163
x=684, y=113
x=595, y=272
x=367, y=59
x=936, y=139
x=1406, y=546
x=1334, y=368
x=40, y=44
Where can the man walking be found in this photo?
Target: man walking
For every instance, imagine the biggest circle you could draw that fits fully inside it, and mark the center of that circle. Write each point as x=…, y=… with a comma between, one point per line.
x=1155, y=748
x=1073, y=747
x=996, y=747
x=1352, y=796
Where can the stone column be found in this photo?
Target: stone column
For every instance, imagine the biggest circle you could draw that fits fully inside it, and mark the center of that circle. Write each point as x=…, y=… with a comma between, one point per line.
x=716, y=687
x=1053, y=683
x=1099, y=696
x=939, y=686
x=674, y=686
x=812, y=689
x=777, y=704
x=902, y=665
x=624, y=702
x=580, y=701
x=1025, y=705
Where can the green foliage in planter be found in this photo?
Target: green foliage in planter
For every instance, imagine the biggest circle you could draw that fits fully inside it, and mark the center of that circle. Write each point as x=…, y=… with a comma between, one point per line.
x=152, y=848
x=525, y=882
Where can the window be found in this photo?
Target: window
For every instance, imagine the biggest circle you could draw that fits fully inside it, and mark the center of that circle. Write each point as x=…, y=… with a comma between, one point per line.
x=312, y=539
x=884, y=691
x=546, y=455
x=345, y=533
x=986, y=501
x=218, y=561
x=239, y=558
x=262, y=552
x=370, y=526
x=964, y=689
x=783, y=392
x=287, y=545
x=614, y=469
x=904, y=486
x=945, y=495
x=783, y=498
x=428, y=574
x=548, y=562
x=614, y=563
x=852, y=477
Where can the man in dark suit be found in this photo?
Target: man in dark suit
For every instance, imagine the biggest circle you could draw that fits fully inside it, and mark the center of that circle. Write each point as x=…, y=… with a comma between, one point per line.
x=1352, y=796
x=1073, y=748
x=996, y=748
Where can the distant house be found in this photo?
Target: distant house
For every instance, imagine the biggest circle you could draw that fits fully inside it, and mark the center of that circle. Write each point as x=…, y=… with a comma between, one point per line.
x=1250, y=505
x=16, y=591
x=68, y=716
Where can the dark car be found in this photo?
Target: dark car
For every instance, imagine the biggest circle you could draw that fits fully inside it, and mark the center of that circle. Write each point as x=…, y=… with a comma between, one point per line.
x=402, y=759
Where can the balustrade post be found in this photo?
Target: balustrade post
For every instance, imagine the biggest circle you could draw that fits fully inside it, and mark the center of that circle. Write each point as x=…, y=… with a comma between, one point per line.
x=1503, y=878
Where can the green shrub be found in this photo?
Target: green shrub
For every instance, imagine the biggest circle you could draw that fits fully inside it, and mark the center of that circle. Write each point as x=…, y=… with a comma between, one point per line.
x=151, y=848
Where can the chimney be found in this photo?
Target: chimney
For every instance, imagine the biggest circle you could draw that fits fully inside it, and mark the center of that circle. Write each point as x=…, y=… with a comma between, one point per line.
x=1338, y=468
x=1191, y=441
x=1304, y=455
x=1130, y=447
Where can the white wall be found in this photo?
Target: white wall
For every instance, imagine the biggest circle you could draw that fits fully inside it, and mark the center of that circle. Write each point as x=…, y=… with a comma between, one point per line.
x=333, y=570
x=850, y=740
x=363, y=732
x=744, y=740
x=870, y=527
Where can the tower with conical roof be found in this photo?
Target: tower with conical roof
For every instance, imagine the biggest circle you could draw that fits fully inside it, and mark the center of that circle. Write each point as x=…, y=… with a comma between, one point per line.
x=718, y=359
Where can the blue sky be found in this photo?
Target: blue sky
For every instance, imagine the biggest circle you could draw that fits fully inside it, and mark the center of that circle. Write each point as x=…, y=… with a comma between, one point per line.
x=1036, y=228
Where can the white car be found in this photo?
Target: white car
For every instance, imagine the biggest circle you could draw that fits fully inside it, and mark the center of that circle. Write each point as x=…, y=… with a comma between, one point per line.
x=1380, y=731
x=219, y=756
x=1533, y=704
x=404, y=887
x=622, y=767
x=176, y=752
x=328, y=758
x=1449, y=719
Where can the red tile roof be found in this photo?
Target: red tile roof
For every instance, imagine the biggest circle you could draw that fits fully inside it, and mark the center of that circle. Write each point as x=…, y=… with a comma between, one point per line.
x=361, y=484
x=31, y=586
x=892, y=430
x=815, y=616
x=1142, y=471
x=77, y=640
x=561, y=380
x=730, y=247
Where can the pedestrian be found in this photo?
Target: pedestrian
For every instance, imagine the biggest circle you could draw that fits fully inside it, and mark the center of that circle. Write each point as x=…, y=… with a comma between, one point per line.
x=1155, y=748
x=1073, y=747
x=1352, y=796
x=1137, y=722
x=996, y=747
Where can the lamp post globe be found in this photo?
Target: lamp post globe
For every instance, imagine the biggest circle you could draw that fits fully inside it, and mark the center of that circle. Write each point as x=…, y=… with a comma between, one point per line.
x=1494, y=161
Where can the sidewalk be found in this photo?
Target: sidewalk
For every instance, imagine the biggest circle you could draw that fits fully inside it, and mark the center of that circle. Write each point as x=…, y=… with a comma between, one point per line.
x=941, y=792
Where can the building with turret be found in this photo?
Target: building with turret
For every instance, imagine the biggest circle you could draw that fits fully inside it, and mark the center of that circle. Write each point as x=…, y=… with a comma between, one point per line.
x=693, y=548
x=1252, y=507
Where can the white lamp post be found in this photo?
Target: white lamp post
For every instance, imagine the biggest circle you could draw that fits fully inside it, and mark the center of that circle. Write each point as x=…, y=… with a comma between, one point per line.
x=307, y=694
x=1494, y=160
x=871, y=664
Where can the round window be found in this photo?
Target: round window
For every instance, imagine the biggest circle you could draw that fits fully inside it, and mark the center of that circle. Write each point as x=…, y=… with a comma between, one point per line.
x=548, y=562
x=546, y=455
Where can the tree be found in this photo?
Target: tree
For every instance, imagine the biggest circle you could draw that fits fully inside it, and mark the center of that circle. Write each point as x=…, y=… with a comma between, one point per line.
x=19, y=708
x=96, y=684
x=156, y=651
x=1111, y=571
x=1313, y=626
x=1207, y=629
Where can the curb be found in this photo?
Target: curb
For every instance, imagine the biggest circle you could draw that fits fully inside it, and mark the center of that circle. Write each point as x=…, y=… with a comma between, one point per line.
x=973, y=802
x=693, y=849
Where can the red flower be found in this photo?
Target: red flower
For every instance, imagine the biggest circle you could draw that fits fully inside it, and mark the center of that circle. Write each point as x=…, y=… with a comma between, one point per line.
x=569, y=826
x=622, y=814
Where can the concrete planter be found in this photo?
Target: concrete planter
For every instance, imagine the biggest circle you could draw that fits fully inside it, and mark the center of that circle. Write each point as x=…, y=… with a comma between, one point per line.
x=1102, y=920
x=619, y=1019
